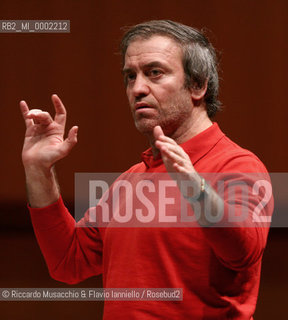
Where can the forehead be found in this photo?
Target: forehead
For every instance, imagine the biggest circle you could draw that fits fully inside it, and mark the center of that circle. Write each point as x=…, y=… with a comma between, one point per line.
x=158, y=48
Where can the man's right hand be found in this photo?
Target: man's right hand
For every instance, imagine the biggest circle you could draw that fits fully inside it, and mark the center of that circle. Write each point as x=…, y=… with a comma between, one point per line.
x=44, y=145
x=44, y=142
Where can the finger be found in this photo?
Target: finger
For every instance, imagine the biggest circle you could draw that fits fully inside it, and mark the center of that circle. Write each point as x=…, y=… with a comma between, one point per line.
x=159, y=135
x=167, y=139
x=71, y=140
x=25, y=110
x=60, y=116
x=172, y=156
x=180, y=162
x=168, y=145
x=39, y=117
x=23, y=107
x=179, y=168
x=157, y=132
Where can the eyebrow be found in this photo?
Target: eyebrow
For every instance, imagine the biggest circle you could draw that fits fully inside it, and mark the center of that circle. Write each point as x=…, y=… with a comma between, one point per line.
x=147, y=65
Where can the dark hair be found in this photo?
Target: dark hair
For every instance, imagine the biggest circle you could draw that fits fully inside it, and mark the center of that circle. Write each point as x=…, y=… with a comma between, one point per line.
x=199, y=57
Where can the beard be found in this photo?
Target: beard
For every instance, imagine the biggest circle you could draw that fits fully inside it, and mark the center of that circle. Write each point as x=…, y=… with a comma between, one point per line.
x=170, y=116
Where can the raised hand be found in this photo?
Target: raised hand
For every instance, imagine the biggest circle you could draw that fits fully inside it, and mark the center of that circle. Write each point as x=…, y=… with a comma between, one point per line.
x=177, y=162
x=179, y=165
x=44, y=142
x=44, y=145
x=174, y=157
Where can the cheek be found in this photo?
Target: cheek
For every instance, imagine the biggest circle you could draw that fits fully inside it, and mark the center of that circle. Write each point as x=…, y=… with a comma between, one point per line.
x=168, y=95
x=129, y=96
x=164, y=94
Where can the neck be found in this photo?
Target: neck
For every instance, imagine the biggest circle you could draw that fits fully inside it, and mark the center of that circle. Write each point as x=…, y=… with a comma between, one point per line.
x=198, y=122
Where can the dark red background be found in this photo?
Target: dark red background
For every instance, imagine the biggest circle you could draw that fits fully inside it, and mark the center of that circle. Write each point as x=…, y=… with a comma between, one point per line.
x=83, y=67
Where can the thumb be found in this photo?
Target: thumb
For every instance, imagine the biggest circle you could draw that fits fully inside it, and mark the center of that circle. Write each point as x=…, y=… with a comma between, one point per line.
x=157, y=132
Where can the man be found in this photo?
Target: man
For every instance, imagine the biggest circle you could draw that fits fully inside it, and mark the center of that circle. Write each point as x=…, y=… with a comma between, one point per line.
x=170, y=72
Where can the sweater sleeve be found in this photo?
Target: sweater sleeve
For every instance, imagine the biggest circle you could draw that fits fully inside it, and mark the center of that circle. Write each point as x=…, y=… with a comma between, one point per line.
x=73, y=252
x=239, y=239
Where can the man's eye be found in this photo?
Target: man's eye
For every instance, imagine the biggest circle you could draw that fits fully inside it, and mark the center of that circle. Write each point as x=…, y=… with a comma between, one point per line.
x=130, y=77
x=155, y=72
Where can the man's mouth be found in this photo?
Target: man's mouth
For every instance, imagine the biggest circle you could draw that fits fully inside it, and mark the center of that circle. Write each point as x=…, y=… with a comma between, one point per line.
x=141, y=105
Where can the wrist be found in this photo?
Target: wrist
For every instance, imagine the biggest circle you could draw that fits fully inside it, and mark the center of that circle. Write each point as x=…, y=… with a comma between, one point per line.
x=42, y=186
x=193, y=188
x=37, y=169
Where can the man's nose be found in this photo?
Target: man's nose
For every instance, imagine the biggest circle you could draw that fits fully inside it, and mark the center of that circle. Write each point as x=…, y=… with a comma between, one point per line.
x=140, y=86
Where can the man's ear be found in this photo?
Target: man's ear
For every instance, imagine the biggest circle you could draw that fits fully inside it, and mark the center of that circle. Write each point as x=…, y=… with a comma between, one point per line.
x=198, y=93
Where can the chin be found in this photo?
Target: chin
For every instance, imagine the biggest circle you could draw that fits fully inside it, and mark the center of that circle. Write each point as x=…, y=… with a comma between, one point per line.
x=145, y=126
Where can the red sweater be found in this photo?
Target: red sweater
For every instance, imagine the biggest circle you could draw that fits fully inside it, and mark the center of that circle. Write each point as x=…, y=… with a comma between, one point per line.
x=218, y=268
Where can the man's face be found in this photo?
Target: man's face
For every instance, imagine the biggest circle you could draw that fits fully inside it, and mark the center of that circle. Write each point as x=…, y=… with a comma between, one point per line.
x=154, y=78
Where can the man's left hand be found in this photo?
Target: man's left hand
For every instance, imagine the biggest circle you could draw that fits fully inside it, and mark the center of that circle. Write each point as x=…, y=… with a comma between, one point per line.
x=176, y=160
